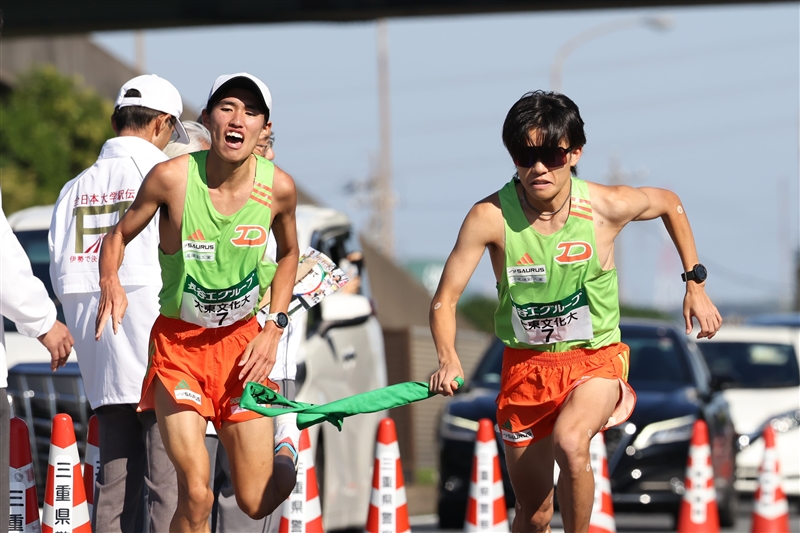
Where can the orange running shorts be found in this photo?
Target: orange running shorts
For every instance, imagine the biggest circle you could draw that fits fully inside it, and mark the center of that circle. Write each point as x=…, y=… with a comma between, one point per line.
x=200, y=367
x=534, y=386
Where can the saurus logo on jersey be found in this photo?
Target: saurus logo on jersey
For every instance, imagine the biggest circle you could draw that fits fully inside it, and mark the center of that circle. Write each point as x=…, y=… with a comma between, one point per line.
x=247, y=235
x=574, y=252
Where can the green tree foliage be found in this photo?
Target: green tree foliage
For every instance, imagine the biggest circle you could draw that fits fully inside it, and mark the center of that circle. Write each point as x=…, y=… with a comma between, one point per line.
x=479, y=310
x=51, y=129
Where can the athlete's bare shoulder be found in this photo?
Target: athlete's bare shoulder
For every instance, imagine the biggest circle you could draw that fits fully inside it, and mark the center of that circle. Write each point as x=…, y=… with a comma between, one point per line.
x=484, y=222
x=167, y=180
x=617, y=204
x=284, y=189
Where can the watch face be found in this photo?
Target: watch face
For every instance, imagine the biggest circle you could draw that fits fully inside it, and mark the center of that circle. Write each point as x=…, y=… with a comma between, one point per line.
x=282, y=320
x=700, y=272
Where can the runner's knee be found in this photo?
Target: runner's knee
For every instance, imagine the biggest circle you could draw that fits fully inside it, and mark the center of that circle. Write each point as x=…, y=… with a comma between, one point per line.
x=534, y=519
x=571, y=450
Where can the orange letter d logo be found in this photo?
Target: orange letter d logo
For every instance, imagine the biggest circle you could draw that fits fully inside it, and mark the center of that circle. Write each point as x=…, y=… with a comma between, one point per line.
x=249, y=236
x=574, y=252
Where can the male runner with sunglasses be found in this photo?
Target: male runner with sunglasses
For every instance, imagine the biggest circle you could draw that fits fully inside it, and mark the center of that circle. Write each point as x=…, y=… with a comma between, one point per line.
x=217, y=208
x=550, y=238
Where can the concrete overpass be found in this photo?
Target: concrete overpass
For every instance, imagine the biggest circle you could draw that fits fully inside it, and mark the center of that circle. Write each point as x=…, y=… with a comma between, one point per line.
x=58, y=17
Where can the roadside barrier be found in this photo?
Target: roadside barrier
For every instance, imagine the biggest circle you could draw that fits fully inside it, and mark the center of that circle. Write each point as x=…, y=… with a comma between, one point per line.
x=24, y=507
x=302, y=511
x=388, y=507
x=65, y=509
x=91, y=463
x=771, y=509
x=602, y=520
x=486, y=506
x=698, y=511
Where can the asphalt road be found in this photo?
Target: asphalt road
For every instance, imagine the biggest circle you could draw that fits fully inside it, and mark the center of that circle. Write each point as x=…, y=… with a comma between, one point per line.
x=638, y=522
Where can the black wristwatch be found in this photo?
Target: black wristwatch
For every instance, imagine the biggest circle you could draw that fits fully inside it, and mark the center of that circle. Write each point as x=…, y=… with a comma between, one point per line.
x=698, y=274
x=281, y=319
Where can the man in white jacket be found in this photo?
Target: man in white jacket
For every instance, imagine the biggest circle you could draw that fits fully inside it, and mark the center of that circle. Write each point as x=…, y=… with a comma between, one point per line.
x=23, y=300
x=132, y=454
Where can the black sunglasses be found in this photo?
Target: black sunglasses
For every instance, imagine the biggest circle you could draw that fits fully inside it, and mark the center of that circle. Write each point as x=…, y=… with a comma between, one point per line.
x=550, y=156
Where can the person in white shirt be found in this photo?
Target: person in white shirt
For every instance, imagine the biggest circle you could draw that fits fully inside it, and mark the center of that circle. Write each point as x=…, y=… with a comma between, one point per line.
x=132, y=455
x=23, y=300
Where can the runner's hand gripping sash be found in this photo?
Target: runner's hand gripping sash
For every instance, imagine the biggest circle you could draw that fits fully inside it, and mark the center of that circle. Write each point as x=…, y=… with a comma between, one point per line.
x=256, y=397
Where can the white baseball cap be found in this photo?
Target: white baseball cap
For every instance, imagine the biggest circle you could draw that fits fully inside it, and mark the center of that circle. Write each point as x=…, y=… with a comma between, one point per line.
x=246, y=81
x=157, y=94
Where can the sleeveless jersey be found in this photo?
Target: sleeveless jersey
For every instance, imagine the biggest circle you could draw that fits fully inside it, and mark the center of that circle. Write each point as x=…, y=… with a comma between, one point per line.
x=219, y=276
x=554, y=295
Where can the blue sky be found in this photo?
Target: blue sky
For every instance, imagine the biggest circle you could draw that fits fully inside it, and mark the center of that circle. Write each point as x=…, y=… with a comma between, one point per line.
x=708, y=108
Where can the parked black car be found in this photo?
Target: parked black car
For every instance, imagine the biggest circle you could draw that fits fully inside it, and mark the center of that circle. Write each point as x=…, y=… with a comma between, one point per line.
x=647, y=455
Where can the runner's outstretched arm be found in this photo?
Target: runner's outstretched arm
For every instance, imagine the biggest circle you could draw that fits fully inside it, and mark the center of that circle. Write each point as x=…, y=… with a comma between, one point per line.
x=260, y=354
x=648, y=203
x=477, y=232
x=150, y=197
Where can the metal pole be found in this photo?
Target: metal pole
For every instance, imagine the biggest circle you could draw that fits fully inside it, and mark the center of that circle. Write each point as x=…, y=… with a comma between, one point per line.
x=384, y=186
x=139, y=51
x=660, y=22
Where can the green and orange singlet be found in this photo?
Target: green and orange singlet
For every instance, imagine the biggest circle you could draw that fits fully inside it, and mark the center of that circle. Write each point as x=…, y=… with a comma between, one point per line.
x=554, y=294
x=219, y=276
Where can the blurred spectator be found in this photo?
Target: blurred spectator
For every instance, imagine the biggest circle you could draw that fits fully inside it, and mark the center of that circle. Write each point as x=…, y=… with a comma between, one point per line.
x=199, y=139
x=113, y=367
x=24, y=300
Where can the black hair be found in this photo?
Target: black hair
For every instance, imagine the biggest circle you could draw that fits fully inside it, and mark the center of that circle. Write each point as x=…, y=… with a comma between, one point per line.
x=236, y=83
x=134, y=117
x=553, y=115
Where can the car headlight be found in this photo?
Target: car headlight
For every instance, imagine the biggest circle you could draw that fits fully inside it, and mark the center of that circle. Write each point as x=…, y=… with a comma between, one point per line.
x=780, y=424
x=458, y=428
x=786, y=421
x=666, y=431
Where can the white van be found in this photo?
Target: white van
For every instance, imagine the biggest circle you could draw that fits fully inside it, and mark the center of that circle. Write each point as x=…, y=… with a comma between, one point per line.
x=342, y=355
x=759, y=368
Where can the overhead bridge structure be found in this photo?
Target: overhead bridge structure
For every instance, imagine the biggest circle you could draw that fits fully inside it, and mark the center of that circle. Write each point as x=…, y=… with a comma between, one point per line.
x=56, y=17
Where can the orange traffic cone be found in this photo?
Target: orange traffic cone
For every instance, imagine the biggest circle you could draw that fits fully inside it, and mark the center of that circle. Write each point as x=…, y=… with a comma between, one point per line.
x=602, y=520
x=388, y=507
x=65, y=507
x=24, y=507
x=698, y=511
x=302, y=511
x=91, y=463
x=771, y=510
x=486, y=506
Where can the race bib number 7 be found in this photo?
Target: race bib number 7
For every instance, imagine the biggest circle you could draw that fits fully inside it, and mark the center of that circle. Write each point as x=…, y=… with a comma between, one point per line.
x=215, y=308
x=547, y=323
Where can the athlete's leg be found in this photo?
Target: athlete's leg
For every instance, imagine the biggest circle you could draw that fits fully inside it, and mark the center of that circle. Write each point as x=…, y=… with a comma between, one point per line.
x=261, y=479
x=530, y=469
x=183, y=433
x=584, y=413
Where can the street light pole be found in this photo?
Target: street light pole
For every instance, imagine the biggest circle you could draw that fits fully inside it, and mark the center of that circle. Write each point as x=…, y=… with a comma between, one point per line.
x=661, y=22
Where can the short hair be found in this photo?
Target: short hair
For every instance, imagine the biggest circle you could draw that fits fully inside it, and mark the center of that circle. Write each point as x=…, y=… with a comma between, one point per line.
x=134, y=117
x=553, y=115
x=198, y=134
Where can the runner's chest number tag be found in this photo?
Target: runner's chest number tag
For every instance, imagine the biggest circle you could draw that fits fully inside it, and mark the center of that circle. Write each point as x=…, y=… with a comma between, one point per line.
x=565, y=320
x=215, y=308
x=526, y=274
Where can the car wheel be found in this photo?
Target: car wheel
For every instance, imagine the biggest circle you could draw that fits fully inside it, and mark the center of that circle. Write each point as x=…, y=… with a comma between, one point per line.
x=451, y=515
x=729, y=508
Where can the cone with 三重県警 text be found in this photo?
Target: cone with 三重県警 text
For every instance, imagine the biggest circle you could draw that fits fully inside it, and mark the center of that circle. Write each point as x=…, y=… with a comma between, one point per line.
x=388, y=507
x=65, y=508
x=302, y=510
x=486, y=504
x=698, y=509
